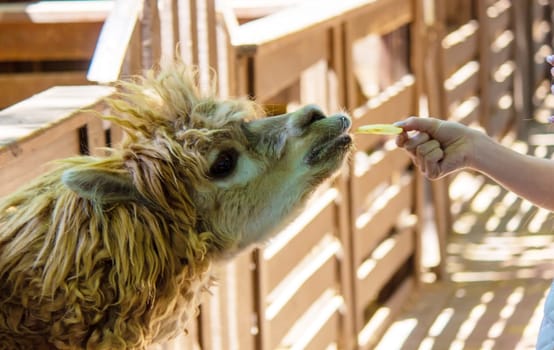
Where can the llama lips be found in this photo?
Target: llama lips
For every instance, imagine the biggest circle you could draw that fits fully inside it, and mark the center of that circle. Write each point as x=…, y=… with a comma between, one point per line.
x=330, y=148
x=333, y=142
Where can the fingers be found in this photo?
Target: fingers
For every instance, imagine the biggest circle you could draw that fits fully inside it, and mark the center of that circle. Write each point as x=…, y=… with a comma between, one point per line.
x=415, y=141
x=426, y=140
x=429, y=155
x=426, y=125
x=401, y=139
x=425, y=152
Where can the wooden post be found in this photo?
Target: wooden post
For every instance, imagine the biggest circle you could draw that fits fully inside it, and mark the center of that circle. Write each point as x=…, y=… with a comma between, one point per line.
x=151, y=36
x=523, y=87
x=484, y=64
x=193, y=31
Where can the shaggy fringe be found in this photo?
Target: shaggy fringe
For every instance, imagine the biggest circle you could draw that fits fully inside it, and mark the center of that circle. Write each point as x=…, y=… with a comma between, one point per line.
x=81, y=274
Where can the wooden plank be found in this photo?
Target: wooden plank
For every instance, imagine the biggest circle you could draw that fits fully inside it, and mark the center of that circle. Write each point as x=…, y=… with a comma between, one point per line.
x=48, y=41
x=499, y=301
x=374, y=329
x=55, y=110
x=350, y=82
x=467, y=112
x=460, y=47
x=389, y=164
x=287, y=63
x=151, y=34
x=394, y=103
x=484, y=60
x=381, y=268
x=499, y=18
x=96, y=136
x=462, y=84
x=500, y=121
x=19, y=172
x=268, y=32
x=319, y=326
x=33, y=133
x=501, y=87
x=523, y=60
x=302, y=19
x=243, y=312
x=540, y=31
x=227, y=312
x=292, y=244
x=373, y=226
x=540, y=72
x=248, y=10
x=502, y=50
x=308, y=287
x=538, y=9
x=16, y=87
x=114, y=42
x=173, y=10
x=328, y=337
x=381, y=19
x=116, y=134
x=345, y=276
x=55, y=11
x=211, y=35
x=192, y=32
x=465, y=307
x=525, y=313
x=420, y=195
x=336, y=77
x=426, y=305
x=132, y=62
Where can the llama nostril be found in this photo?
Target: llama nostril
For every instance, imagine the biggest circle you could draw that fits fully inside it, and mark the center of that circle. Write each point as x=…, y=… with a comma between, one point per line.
x=345, y=121
x=314, y=115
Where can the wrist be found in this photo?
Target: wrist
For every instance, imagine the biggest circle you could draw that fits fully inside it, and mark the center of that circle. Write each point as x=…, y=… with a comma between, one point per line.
x=481, y=150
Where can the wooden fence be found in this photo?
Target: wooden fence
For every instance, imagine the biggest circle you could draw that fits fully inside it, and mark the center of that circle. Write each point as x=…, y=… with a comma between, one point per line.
x=337, y=275
x=46, y=44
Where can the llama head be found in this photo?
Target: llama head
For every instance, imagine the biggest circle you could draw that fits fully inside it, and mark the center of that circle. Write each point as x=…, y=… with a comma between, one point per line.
x=217, y=164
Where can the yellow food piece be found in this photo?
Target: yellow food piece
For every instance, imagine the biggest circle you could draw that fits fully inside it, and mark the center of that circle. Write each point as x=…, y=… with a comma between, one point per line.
x=379, y=129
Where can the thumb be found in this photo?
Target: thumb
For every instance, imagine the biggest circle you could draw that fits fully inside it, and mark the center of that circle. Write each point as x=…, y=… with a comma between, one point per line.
x=426, y=125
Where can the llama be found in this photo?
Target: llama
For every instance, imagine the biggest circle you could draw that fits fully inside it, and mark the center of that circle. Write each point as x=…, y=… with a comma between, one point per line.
x=113, y=252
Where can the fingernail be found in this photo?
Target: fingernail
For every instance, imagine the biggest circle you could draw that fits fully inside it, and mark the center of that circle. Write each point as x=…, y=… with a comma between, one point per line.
x=551, y=119
x=552, y=88
x=550, y=59
x=400, y=123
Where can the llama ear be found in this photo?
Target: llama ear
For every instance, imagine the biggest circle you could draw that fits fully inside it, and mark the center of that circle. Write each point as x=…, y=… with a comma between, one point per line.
x=100, y=185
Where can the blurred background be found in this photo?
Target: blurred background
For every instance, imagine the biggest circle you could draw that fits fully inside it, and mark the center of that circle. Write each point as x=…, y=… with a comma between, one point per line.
x=381, y=258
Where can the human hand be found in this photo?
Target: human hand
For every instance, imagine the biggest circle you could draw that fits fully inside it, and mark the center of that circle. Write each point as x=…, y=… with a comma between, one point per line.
x=437, y=147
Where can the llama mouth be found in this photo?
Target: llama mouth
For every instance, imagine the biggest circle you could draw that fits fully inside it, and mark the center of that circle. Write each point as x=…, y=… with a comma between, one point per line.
x=329, y=149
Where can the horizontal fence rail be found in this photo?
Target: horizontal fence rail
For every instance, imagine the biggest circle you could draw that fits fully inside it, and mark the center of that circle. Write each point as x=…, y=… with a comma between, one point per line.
x=46, y=43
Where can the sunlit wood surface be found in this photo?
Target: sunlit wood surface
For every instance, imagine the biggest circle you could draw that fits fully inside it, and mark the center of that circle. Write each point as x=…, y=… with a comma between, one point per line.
x=500, y=263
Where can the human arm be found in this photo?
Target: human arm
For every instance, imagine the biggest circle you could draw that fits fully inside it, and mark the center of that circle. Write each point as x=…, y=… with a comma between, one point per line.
x=441, y=147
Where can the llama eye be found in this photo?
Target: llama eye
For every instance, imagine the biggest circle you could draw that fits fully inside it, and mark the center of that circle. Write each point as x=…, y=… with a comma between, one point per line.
x=224, y=164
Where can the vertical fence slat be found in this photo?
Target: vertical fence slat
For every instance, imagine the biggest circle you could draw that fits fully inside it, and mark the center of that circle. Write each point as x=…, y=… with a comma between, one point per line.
x=151, y=36
x=212, y=35
x=193, y=11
